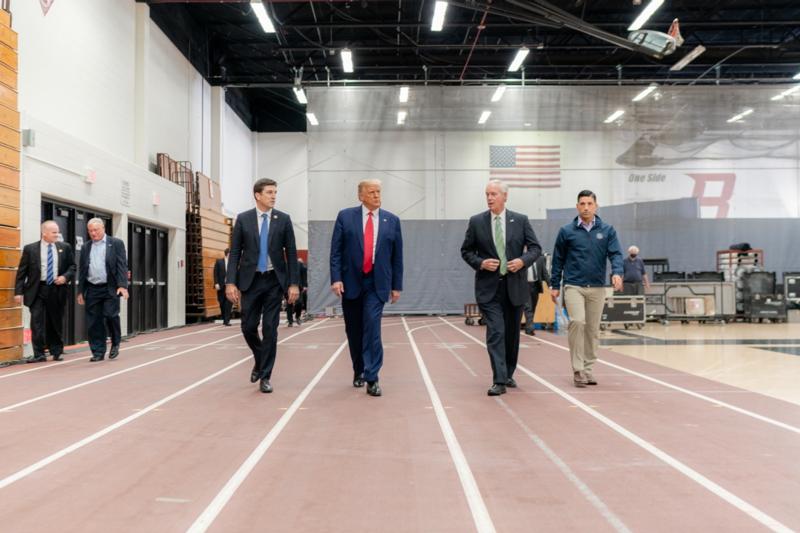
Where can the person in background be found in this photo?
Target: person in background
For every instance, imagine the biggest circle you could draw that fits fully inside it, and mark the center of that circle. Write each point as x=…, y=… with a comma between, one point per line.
x=537, y=275
x=294, y=311
x=220, y=271
x=634, y=278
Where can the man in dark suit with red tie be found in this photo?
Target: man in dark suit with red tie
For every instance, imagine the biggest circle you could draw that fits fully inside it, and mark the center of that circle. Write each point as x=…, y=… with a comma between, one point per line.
x=366, y=266
x=499, y=245
x=45, y=269
x=262, y=266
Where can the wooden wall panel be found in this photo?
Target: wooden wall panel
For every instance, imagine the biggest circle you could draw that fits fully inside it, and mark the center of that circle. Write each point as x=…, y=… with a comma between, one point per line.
x=9, y=157
x=9, y=258
x=9, y=117
x=9, y=177
x=8, y=76
x=11, y=354
x=11, y=318
x=9, y=137
x=9, y=238
x=9, y=197
x=9, y=216
x=8, y=56
x=8, y=37
x=11, y=337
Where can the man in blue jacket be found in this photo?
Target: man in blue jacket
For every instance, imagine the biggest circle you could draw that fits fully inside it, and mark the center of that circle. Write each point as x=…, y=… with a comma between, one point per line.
x=581, y=250
x=366, y=271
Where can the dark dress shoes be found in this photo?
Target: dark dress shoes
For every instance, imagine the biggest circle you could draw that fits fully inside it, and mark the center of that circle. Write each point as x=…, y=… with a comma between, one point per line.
x=373, y=389
x=265, y=386
x=511, y=383
x=496, y=390
x=254, y=375
x=358, y=380
x=38, y=359
x=58, y=357
x=114, y=352
x=96, y=358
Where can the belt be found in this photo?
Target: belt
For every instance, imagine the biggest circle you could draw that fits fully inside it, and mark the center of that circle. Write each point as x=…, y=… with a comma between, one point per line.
x=97, y=284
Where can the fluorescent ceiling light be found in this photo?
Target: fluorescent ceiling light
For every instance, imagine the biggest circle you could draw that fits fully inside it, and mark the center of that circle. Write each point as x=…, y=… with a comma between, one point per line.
x=786, y=93
x=741, y=115
x=300, y=94
x=644, y=94
x=347, y=60
x=404, y=94
x=437, y=23
x=614, y=116
x=498, y=93
x=484, y=117
x=522, y=53
x=263, y=18
x=645, y=15
x=312, y=119
x=401, y=117
x=688, y=58
x=796, y=76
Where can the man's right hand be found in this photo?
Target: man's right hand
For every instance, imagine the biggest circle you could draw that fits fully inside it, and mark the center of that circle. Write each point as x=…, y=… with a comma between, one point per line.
x=80, y=299
x=490, y=264
x=338, y=288
x=18, y=299
x=554, y=295
x=232, y=293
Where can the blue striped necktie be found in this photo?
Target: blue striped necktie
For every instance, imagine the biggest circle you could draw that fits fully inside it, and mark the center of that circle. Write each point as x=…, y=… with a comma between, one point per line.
x=50, y=274
x=263, y=248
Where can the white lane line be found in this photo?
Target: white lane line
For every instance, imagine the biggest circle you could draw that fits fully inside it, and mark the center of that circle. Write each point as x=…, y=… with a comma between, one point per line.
x=684, y=469
x=81, y=357
x=593, y=498
x=207, y=517
x=114, y=374
x=13, y=478
x=480, y=514
x=717, y=403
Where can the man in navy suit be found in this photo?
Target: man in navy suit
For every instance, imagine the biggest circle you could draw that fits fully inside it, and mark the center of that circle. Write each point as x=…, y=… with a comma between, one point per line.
x=103, y=278
x=45, y=269
x=366, y=272
x=262, y=266
x=499, y=245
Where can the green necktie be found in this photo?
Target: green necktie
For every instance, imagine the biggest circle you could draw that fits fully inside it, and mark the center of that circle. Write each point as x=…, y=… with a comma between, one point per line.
x=500, y=244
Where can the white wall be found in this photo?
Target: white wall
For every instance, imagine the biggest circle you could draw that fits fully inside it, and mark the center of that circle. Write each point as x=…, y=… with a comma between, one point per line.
x=76, y=69
x=238, y=164
x=284, y=158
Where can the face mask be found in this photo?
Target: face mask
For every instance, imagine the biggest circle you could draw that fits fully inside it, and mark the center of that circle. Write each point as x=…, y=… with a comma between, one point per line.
x=633, y=256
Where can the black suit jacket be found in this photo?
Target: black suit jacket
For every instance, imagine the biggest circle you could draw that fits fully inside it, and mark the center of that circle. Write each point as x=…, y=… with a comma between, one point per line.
x=521, y=243
x=243, y=258
x=29, y=272
x=116, y=265
x=303, y=275
x=219, y=273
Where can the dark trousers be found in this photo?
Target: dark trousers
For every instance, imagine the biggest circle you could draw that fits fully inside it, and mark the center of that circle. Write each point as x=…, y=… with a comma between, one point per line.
x=102, y=311
x=293, y=311
x=47, y=313
x=530, y=305
x=502, y=333
x=225, y=306
x=262, y=303
x=362, y=323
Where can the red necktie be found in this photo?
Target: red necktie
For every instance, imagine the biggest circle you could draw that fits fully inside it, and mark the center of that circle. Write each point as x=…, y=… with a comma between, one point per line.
x=368, y=239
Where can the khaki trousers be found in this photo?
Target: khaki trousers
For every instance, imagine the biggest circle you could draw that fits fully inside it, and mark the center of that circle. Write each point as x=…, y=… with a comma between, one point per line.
x=585, y=308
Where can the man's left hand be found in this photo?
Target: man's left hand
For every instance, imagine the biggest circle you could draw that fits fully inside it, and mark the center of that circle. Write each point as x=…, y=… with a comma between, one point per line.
x=60, y=280
x=292, y=294
x=515, y=264
x=122, y=291
x=395, y=296
x=616, y=280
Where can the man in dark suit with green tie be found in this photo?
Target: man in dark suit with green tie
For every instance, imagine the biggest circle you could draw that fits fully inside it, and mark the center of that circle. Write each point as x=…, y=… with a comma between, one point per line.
x=262, y=266
x=45, y=269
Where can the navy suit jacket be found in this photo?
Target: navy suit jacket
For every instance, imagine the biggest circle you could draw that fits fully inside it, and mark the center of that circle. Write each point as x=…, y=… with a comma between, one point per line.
x=116, y=265
x=243, y=257
x=347, y=253
x=521, y=243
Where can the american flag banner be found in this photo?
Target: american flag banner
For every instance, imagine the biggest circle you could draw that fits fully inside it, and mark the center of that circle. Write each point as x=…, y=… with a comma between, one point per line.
x=526, y=166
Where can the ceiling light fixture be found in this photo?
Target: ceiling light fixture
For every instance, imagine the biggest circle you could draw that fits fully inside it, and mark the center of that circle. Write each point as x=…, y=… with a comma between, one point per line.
x=484, y=117
x=522, y=53
x=403, y=94
x=312, y=119
x=796, y=76
x=786, y=93
x=614, y=116
x=437, y=23
x=300, y=94
x=645, y=93
x=498, y=93
x=347, y=60
x=261, y=14
x=401, y=117
x=688, y=58
x=741, y=115
x=645, y=15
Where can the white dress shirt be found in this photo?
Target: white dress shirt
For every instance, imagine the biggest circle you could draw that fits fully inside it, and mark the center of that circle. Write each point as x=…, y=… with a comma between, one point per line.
x=43, y=253
x=375, y=223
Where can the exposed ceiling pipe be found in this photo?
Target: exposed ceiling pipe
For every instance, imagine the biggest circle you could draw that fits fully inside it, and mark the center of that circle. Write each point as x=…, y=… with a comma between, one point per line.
x=481, y=26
